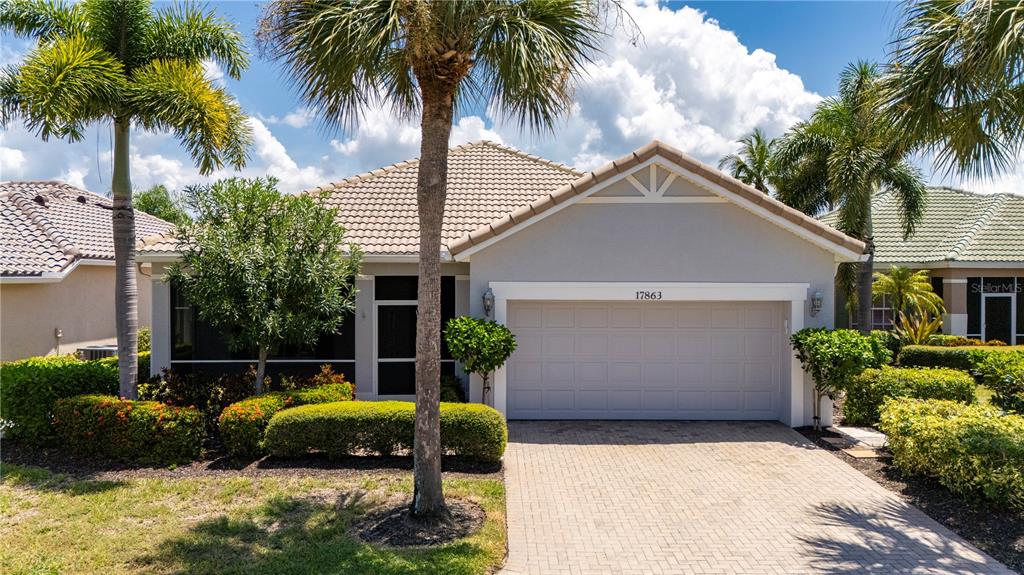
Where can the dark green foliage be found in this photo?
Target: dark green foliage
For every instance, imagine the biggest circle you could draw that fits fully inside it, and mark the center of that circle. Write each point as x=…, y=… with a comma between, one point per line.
x=482, y=346
x=1003, y=373
x=470, y=430
x=158, y=201
x=942, y=340
x=29, y=388
x=970, y=449
x=268, y=268
x=210, y=394
x=888, y=340
x=242, y=424
x=451, y=390
x=142, y=432
x=867, y=391
x=962, y=358
x=834, y=357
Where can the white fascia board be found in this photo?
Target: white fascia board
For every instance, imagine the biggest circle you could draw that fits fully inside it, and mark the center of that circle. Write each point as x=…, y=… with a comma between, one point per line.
x=947, y=264
x=54, y=277
x=671, y=291
x=843, y=254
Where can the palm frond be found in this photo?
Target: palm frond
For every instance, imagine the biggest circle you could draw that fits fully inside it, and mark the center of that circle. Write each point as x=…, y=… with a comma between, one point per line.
x=186, y=32
x=906, y=182
x=121, y=27
x=63, y=85
x=44, y=20
x=174, y=95
x=529, y=52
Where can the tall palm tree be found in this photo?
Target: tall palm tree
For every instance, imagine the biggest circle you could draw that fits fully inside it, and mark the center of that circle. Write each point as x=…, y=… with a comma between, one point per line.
x=428, y=57
x=908, y=291
x=841, y=157
x=118, y=61
x=754, y=164
x=955, y=83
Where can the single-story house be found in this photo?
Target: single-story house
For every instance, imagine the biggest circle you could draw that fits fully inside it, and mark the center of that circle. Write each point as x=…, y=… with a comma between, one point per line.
x=973, y=244
x=57, y=269
x=655, y=287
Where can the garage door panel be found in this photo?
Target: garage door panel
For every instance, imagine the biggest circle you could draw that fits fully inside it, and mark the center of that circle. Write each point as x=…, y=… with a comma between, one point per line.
x=648, y=360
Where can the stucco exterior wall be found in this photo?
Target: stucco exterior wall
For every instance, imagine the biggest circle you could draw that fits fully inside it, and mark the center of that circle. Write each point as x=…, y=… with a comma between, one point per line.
x=674, y=243
x=81, y=306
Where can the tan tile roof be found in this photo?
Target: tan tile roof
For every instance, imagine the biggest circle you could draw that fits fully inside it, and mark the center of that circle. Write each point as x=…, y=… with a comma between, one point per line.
x=582, y=184
x=485, y=180
x=956, y=226
x=47, y=226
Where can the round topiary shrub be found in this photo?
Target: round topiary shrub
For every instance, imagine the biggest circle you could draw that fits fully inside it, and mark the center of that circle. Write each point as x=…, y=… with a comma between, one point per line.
x=242, y=424
x=142, y=432
x=471, y=430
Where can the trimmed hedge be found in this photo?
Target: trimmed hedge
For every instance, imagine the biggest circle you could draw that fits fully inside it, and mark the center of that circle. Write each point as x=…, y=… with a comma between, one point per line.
x=470, y=430
x=30, y=387
x=242, y=424
x=143, y=432
x=962, y=358
x=870, y=389
x=970, y=449
x=1003, y=373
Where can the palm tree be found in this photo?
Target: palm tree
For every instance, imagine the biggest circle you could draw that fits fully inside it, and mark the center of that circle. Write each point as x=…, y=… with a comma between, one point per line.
x=118, y=61
x=955, y=82
x=754, y=164
x=841, y=157
x=908, y=291
x=427, y=56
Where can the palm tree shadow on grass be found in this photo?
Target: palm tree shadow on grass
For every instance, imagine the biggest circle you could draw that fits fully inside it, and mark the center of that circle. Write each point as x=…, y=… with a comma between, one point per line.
x=887, y=540
x=299, y=534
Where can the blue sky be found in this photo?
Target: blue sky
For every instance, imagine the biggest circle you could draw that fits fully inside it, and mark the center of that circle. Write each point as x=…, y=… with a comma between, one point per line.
x=706, y=74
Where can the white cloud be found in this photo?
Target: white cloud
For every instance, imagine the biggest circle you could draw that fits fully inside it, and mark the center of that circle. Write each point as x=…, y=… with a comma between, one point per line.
x=213, y=72
x=298, y=118
x=12, y=163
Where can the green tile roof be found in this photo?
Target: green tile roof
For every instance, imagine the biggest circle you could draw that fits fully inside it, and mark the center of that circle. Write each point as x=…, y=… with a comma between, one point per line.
x=957, y=226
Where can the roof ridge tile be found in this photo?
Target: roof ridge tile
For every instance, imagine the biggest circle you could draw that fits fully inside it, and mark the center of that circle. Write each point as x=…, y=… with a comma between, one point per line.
x=965, y=241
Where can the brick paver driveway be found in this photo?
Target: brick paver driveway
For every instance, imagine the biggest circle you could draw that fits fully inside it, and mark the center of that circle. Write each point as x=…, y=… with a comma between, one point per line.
x=691, y=497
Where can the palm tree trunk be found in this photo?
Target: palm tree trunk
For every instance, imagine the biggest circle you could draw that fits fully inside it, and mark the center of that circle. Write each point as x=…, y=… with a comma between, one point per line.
x=261, y=369
x=864, y=279
x=431, y=186
x=126, y=294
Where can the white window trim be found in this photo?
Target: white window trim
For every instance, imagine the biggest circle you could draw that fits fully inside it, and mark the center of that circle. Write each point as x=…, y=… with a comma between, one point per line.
x=377, y=360
x=794, y=293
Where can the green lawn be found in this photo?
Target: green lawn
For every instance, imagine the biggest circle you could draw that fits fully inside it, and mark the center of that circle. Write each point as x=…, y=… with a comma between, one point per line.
x=53, y=524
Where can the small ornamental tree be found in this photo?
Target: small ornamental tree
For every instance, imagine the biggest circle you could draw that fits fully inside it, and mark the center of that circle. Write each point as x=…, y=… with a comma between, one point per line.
x=481, y=345
x=265, y=269
x=834, y=357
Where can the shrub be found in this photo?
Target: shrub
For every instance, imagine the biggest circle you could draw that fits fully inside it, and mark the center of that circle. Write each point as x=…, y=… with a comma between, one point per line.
x=451, y=389
x=962, y=358
x=145, y=337
x=326, y=376
x=30, y=387
x=868, y=390
x=1003, y=373
x=970, y=449
x=470, y=430
x=954, y=341
x=144, y=432
x=242, y=424
x=887, y=339
x=209, y=393
x=482, y=346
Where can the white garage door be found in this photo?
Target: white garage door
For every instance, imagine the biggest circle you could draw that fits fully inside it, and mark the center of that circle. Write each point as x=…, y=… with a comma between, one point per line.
x=645, y=360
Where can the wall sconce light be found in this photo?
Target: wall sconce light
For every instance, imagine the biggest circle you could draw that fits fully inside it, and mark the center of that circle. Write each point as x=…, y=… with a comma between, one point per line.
x=816, y=303
x=488, y=302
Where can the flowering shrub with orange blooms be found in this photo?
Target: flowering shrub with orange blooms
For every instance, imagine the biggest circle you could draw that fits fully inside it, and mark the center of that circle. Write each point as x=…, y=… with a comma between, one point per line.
x=242, y=424
x=141, y=432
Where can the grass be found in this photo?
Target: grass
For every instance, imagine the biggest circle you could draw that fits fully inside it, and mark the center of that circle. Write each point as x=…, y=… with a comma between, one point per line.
x=51, y=523
x=984, y=394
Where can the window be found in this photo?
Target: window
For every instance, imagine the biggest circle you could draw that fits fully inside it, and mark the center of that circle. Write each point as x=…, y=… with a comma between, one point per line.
x=980, y=287
x=395, y=306
x=881, y=315
x=197, y=346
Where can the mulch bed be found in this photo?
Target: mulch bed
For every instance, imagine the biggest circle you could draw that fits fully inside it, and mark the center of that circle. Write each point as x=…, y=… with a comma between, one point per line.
x=996, y=531
x=394, y=526
x=215, y=464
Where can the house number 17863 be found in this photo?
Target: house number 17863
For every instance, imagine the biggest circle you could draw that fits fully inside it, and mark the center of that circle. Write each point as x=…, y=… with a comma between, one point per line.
x=643, y=294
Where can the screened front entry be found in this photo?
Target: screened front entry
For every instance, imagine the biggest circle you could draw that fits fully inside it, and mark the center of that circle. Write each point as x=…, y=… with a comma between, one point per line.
x=395, y=337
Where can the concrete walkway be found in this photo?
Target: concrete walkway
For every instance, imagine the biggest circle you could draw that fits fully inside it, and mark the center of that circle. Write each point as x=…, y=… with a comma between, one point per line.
x=691, y=497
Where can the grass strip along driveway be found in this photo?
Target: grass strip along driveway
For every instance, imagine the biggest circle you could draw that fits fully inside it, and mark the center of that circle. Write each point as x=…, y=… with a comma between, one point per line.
x=53, y=523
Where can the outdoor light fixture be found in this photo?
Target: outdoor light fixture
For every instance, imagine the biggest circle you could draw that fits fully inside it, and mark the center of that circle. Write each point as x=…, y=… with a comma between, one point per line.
x=488, y=302
x=816, y=302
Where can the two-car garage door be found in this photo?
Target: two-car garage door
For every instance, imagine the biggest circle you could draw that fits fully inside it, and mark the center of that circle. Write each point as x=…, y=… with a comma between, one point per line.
x=645, y=360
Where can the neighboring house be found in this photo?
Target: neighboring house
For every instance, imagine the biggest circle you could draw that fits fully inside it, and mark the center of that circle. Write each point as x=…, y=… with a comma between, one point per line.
x=57, y=269
x=973, y=244
x=654, y=287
